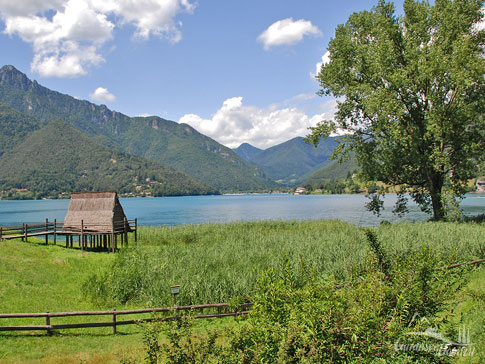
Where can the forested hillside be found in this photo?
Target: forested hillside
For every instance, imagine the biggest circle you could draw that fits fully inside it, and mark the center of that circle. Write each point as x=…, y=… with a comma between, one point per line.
x=58, y=159
x=176, y=145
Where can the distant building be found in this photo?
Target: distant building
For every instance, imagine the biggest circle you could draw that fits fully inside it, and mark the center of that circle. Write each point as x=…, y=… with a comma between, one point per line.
x=301, y=191
x=480, y=186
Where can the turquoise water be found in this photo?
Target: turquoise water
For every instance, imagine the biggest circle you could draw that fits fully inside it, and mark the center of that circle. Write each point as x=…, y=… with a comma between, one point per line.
x=227, y=208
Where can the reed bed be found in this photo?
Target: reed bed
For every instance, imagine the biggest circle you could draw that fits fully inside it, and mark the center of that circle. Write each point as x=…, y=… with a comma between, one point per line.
x=221, y=262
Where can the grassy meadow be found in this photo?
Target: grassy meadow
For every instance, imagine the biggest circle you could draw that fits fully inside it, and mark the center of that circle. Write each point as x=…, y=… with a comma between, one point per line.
x=212, y=263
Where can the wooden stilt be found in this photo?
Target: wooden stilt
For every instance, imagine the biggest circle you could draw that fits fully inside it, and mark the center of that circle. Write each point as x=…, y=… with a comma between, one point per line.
x=113, y=247
x=136, y=230
x=81, y=238
x=46, y=230
x=126, y=232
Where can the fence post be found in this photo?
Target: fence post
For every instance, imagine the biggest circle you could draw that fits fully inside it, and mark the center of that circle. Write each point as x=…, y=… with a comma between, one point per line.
x=26, y=233
x=81, y=241
x=1, y=232
x=48, y=323
x=46, y=230
x=114, y=321
x=55, y=230
x=136, y=230
x=23, y=231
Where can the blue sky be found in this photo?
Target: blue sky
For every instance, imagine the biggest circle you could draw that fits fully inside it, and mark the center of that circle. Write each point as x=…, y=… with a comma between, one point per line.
x=238, y=71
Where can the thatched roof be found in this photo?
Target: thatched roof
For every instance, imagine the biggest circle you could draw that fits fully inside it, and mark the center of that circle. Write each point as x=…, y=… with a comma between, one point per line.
x=99, y=212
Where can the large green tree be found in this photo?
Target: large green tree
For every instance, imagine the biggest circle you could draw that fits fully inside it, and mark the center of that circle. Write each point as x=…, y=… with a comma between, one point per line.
x=411, y=96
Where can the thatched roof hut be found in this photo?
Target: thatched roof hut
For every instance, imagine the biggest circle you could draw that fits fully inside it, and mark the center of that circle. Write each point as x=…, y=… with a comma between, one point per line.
x=99, y=212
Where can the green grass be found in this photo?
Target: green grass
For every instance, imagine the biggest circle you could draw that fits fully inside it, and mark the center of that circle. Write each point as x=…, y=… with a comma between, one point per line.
x=39, y=278
x=216, y=262
x=212, y=263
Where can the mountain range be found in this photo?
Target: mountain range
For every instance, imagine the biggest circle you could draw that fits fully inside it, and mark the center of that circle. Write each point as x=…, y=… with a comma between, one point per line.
x=333, y=172
x=55, y=158
x=291, y=162
x=155, y=139
x=51, y=143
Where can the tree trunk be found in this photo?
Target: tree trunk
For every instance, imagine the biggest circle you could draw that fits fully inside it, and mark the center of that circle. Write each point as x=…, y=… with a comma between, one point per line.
x=438, y=213
x=435, y=190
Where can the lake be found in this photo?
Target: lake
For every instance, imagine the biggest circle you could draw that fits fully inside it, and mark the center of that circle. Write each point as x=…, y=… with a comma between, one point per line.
x=228, y=208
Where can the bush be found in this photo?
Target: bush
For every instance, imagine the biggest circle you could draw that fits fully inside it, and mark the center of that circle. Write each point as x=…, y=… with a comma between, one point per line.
x=299, y=317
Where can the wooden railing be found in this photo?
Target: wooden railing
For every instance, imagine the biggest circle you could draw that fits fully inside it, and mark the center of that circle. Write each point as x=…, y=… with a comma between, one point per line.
x=114, y=322
x=24, y=231
x=82, y=231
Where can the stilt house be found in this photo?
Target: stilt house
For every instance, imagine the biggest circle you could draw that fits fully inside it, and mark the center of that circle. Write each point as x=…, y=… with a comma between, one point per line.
x=99, y=215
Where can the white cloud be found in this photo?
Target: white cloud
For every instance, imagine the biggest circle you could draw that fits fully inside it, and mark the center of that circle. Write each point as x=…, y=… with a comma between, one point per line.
x=235, y=123
x=28, y=7
x=67, y=35
x=480, y=25
x=287, y=32
x=155, y=17
x=102, y=94
x=318, y=66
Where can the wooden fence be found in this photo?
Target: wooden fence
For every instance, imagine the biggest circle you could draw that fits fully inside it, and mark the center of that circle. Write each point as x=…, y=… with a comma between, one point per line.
x=114, y=322
x=88, y=235
x=25, y=231
x=240, y=310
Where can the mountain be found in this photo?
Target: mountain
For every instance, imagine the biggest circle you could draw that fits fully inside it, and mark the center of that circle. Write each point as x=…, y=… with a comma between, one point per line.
x=333, y=172
x=176, y=145
x=290, y=162
x=58, y=158
x=14, y=127
x=246, y=151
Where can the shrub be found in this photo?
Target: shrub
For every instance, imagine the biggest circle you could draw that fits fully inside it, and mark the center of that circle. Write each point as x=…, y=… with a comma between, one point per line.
x=299, y=317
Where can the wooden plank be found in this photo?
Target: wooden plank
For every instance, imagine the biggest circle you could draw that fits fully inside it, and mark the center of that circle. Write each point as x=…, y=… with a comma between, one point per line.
x=30, y=235
x=25, y=328
x=121, y=312
x=113, y=324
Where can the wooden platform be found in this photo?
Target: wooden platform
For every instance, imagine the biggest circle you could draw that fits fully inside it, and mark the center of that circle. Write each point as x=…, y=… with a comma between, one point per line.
x=87, y=236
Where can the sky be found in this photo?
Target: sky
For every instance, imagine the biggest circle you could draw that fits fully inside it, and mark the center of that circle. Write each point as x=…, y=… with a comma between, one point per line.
x=236, y=70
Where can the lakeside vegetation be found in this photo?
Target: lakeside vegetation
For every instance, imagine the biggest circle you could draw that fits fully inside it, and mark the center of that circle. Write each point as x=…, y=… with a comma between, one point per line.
x=217, y=262
x=213, y=263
